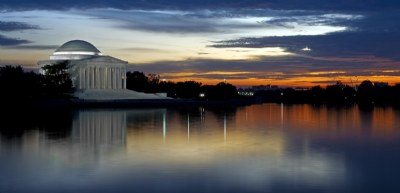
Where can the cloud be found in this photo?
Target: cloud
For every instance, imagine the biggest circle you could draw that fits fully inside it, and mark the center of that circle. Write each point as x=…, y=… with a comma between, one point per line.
x=225, y=21
x=11, y=26
x=7, y=26
x=314, y=18
x=168, y=21
x=15, y=26
x=203, y=4
x=5, y=41
x=369, y=33
x=349, y=44
x=143, y=49
x=34, y=47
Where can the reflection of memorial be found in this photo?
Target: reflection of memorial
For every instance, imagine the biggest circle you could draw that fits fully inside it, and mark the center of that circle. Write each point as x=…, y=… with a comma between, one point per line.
x=96, y=135
x=97, y=128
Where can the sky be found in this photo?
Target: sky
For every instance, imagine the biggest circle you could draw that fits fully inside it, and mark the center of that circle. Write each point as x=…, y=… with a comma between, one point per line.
x=243, y=42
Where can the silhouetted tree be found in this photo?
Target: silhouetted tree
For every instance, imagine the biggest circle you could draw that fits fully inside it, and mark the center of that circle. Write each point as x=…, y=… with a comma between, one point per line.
x=57, y=81
x=137, y=81
x=188, y=89
x=168, y=87
x=11, y=82
x=335, y=92
x=365, y=92
x=317, y=94
x=395, y=93
x=154, y=80
x=349, y=93
x=221, y=91
x=15, y=84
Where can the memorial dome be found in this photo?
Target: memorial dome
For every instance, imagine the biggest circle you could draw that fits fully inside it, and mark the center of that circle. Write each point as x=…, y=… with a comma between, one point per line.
x=75, y=49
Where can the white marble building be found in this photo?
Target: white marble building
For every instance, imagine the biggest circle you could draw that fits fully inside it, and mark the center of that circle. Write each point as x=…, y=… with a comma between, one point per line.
x=94, y=75
x=89, y=68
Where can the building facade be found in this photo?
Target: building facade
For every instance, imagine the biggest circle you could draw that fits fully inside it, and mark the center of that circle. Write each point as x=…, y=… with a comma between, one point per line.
x=89, y=69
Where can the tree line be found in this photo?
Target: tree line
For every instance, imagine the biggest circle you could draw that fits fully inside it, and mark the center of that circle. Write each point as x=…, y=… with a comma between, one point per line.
x=152, y=83
x=18, y=85
x=364, y=93
x=21, y=86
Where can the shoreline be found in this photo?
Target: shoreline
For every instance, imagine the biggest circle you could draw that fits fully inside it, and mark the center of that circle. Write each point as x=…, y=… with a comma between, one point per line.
x=134, y=103
x=61, y=104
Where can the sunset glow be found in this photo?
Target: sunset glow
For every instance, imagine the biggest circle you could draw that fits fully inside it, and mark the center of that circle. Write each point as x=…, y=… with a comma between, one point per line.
x=246, y=46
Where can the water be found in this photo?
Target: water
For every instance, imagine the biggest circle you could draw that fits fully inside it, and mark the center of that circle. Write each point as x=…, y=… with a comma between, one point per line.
x=258, y=148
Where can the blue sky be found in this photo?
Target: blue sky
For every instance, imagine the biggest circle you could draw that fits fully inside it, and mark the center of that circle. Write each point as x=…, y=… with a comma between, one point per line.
x=246, y=42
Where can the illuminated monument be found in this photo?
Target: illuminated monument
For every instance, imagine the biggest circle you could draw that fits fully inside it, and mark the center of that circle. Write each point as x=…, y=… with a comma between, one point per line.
x=94, y=75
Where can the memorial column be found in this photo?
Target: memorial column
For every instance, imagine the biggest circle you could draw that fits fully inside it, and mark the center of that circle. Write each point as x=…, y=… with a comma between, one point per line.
x=87, y=76
x=124, y=81
x=93, y=78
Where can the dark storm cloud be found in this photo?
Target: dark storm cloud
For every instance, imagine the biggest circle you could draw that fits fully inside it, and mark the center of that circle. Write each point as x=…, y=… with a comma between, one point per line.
x=5, y=41
x=15, y=26
x=203, y=4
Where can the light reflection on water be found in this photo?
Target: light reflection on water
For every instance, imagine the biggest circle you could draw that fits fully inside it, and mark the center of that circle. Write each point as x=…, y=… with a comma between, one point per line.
x=258, y=148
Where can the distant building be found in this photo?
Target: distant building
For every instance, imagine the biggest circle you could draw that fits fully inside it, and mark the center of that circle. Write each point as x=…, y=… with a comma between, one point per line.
x=94, y=75
x=250, y=91
x=301, y=88
x=245, y=92
x=381, y=84
x=264, y=87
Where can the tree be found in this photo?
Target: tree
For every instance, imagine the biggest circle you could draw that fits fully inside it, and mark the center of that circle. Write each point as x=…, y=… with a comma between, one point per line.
x=188, y=89
x=15, y=84
x=317, y=94
x=335, y=92
x=137, y=81
x=221, y=91
x=57, y=81
x=366, y=92
x=153, y=79
x=349, y=93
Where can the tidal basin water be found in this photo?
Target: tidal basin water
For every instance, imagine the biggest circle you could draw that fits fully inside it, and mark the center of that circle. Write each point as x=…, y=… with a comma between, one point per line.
x=257, y=148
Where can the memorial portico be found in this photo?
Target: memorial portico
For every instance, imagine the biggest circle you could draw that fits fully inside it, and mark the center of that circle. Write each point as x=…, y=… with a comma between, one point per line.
x=95, y=76
x=100, y=73
x=88, y=67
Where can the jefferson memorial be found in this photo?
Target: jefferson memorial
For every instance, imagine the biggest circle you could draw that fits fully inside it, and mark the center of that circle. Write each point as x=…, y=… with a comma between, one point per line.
x=94, y=75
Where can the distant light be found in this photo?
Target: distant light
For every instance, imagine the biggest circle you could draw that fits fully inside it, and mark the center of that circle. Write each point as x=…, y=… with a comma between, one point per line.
x=202, y=95
x=246, y=93
x=306, y=49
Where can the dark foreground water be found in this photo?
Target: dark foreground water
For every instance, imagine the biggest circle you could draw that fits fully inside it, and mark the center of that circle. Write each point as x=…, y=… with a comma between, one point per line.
x=259, y=148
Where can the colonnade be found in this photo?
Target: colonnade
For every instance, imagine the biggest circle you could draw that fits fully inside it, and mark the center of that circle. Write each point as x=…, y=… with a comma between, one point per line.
x=102, y=78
